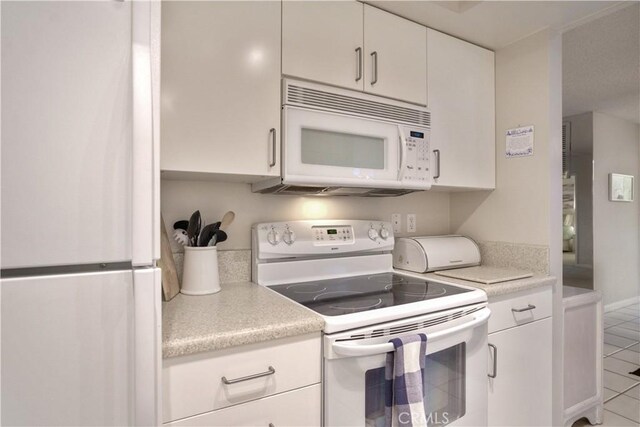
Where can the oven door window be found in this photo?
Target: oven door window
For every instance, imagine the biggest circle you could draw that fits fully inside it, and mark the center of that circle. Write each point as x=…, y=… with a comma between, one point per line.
x=444, y=388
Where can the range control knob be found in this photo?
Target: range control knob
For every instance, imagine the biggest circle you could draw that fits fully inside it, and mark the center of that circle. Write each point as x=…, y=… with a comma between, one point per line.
x=289, y=236
x=384, y=233
x=373, y=233
x=273, y=237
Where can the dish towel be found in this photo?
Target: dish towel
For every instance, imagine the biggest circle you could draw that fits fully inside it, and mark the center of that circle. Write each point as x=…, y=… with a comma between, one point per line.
x=404, y=391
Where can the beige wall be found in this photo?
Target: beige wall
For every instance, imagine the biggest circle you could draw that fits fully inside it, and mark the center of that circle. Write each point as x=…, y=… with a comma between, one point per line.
x=213, y=199
x=616, y=246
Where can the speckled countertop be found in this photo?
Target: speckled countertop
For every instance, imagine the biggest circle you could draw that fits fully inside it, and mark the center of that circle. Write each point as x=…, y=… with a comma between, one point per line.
x=241, y=313
x=501, y=288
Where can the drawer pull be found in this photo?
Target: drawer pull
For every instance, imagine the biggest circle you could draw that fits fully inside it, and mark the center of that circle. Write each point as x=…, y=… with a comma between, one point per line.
x=527, y=308
x=271, y=371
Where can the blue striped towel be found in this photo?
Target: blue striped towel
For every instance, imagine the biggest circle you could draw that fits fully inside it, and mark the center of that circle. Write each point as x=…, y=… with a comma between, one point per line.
x=404, y=391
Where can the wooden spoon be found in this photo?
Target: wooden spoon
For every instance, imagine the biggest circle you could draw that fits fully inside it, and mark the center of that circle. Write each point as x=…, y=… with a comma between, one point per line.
x=227, y=219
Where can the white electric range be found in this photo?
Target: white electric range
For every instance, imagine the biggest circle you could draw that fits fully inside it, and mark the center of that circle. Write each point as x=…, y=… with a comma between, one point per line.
x=342, y=270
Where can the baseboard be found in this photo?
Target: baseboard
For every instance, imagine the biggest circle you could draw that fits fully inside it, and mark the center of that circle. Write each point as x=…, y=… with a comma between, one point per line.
x=619, y=304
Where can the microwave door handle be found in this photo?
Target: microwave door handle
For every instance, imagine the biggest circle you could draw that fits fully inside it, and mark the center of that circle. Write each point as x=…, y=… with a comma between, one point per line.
x=403, y=153
x=357, y=350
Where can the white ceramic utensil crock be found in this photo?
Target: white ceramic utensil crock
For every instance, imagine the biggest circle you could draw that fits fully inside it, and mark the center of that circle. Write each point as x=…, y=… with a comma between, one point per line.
x=200, y=276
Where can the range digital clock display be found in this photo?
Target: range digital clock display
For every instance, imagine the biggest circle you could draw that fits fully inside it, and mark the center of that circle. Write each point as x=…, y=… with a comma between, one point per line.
x=332, y=231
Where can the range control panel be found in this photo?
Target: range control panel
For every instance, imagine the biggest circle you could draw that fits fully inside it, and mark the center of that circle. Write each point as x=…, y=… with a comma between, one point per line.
x=317, y=237
x=328, y=235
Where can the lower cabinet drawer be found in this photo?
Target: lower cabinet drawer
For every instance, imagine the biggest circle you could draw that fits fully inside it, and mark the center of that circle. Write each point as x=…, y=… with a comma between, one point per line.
x=204, y=382
x=299, y=407
x=520, y=308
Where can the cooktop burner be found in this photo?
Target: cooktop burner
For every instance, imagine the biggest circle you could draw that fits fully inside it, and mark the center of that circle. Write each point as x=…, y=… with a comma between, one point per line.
x=346, y=295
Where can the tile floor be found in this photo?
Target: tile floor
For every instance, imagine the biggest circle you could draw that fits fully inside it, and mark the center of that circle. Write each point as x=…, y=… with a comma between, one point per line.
x=621, y=356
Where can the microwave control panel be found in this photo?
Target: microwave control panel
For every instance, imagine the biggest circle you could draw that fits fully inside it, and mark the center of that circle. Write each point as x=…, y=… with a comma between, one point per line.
x=417, y=162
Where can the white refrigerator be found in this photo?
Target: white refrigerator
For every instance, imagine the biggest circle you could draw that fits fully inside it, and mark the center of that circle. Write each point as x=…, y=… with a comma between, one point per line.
x=80, y=291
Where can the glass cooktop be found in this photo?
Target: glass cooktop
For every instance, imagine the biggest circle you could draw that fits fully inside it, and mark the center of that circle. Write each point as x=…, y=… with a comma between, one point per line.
x=346, y=295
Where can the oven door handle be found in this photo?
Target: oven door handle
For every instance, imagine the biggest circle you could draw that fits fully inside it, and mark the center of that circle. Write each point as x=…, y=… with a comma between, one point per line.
x=369, y=350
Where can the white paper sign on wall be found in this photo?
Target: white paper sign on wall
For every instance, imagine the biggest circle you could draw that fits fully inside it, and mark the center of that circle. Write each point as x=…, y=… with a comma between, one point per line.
x=519, y=142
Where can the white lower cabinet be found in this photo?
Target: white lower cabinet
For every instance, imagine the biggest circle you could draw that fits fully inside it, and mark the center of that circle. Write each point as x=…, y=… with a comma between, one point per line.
x=294, y=408
x=275, y=382
x=520, y=380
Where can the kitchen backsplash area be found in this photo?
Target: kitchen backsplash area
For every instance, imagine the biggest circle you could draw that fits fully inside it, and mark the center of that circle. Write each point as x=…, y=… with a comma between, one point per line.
x=533, y=258
x=213, y=199
x=235, y=265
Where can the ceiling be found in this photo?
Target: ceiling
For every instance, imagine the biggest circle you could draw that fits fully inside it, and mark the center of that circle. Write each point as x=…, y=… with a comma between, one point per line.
x=495, y=24
x=601, y=66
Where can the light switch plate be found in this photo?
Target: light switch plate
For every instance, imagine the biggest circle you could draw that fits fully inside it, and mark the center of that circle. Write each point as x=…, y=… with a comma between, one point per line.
x=396, y=220
x=411, y=223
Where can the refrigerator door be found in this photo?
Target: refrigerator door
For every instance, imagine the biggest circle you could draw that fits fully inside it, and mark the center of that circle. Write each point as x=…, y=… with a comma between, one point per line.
x=67, y=133
x=68, y=349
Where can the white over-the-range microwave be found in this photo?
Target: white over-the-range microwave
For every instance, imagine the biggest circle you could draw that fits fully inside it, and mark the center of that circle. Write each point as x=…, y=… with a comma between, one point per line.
x=342, y=142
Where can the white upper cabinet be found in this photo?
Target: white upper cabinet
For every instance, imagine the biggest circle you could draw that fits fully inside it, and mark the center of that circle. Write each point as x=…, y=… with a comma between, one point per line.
x=395, y=56
x=355, y=46
x=461, y=89
x=322, y=41
x=221, y=87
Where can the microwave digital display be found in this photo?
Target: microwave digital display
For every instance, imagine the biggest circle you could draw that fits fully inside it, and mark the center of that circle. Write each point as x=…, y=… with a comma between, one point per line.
x=417, y=134
x=332, y=231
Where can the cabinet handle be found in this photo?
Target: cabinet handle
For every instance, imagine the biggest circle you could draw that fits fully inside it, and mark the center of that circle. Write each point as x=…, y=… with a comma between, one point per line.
x=495, y=361
x=271, y=425
x=272, y=163
x=527, y=308
x=358, y=63
x=437, y=154
x=271, y=371
x=374, y=56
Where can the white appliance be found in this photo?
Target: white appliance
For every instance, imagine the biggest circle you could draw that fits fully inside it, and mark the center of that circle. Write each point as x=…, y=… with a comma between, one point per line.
x=342, y=270
x=341, y=142
x=431, y=253
x=80, y=214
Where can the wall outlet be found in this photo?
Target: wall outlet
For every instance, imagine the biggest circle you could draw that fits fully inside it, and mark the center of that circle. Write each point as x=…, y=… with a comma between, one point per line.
x=411, y=223
x=396, y=221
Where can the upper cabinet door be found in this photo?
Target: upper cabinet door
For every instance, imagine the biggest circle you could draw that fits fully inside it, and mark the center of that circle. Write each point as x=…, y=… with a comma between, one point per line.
x=322, y=41
x=461, y=88
x=221, y=87
x=395, y=56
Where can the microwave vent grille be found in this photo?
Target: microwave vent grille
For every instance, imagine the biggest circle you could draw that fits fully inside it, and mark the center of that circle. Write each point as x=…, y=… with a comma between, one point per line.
x=314, y=98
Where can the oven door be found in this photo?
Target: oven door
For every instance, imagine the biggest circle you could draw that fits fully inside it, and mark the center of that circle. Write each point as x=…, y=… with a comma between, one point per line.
x=323, y=148
x=455, y=372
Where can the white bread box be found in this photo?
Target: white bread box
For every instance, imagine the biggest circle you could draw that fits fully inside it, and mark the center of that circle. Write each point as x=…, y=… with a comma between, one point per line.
x=433, y=253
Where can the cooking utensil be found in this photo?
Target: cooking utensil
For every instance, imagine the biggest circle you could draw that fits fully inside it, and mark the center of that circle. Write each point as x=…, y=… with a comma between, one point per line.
x=181, y=225
x=180, y=236
x=227, y=219
x=218, y=237
x=193, y=230
x=206, y=234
